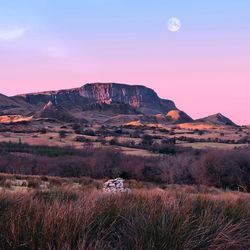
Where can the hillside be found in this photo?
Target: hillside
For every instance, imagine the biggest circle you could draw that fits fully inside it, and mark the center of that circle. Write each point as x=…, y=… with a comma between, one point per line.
x=51, y=110
x=217, y=119
x=178, y=116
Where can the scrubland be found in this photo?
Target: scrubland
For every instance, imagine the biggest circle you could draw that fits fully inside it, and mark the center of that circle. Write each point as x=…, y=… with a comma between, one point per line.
x=227, y=169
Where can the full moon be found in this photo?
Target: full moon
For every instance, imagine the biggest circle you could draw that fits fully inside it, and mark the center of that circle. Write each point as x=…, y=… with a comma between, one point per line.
x=174, y=24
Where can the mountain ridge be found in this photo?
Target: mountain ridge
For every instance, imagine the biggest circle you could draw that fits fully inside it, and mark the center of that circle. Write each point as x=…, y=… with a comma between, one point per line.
x=106, y=98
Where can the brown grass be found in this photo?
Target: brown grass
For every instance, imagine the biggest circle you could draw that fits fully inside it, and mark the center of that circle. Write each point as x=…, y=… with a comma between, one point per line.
x=177, y=218
x=14, y=118
x=198, y=126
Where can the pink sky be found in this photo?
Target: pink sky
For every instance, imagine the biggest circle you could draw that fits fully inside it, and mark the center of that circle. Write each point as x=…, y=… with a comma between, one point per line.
x=203, y=68
x=199, y=88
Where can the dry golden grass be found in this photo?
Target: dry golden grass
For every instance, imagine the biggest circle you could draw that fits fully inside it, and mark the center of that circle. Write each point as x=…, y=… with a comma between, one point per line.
x=211, y=145
x=174, y=115
x=135, y=124
x=52, y=138
x=197, y=126
x=175, y=218
x=136, y=152
x=15, y=118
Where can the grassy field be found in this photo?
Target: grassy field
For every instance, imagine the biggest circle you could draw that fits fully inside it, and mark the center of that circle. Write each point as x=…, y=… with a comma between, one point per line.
x=70, y=216
x=161, y=212
x=212, y=145
x=48, y=133
x=173, y=203
x=53, y=139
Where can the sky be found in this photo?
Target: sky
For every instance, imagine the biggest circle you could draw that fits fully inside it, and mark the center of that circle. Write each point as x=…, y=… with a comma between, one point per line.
x=204, y=67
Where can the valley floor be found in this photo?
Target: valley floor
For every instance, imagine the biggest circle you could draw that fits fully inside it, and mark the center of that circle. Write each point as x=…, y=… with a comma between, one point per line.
x=129, y=139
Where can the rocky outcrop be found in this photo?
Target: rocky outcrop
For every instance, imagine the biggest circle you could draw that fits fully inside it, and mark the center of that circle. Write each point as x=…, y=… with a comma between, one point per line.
x=115, y=186
x=138, y=97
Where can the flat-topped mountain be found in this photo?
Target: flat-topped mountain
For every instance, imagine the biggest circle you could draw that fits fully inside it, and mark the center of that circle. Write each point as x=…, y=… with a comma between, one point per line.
x=100, y=103
x=135, y=97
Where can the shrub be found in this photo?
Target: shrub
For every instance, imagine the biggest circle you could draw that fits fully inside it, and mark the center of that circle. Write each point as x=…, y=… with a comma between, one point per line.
x=89, y=132
x=147, y=140
x=62, y=134
x=227, y=169
x=114, y=141
x=81, y=139
x=43, y=131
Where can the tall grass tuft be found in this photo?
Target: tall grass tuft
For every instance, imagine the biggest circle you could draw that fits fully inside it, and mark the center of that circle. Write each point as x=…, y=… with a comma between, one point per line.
x=145, y=219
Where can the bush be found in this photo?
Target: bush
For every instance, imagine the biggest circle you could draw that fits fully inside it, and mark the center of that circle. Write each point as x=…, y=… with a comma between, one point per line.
x=227, y=169
x=89, y=132
x=62, y=134
x=43, y=131
x=81, y=139
x=114, y=141
x=147, y=140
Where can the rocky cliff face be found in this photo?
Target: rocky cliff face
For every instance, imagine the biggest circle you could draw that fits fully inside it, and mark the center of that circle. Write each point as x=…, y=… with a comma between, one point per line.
x=139, y=98
x=136, y=96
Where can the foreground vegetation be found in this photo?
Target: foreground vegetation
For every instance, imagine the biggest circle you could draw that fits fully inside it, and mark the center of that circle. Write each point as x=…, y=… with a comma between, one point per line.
x=172, y=218
x=228, y=169
x=51, y=198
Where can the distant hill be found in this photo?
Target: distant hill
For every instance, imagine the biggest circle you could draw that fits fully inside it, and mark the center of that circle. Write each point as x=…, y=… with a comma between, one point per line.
x=217, y=119
x=178, y=116
x=14, y=106
x=7, y=103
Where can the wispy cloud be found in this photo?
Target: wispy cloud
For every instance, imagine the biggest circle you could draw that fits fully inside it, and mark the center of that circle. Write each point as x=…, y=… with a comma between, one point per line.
x=13, y=33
